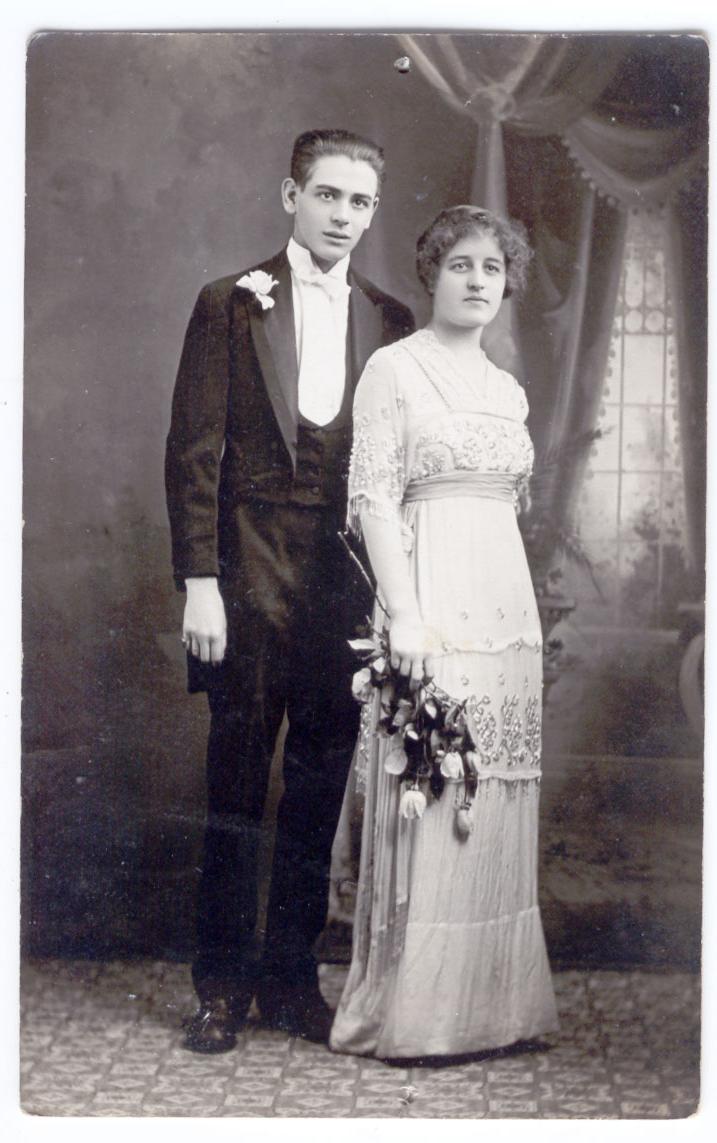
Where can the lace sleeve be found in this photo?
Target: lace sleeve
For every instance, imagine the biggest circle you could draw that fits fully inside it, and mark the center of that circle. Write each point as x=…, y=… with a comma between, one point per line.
x=377, y=472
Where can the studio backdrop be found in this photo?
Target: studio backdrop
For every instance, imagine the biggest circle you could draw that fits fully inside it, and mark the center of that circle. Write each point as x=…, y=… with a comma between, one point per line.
x=154, y=163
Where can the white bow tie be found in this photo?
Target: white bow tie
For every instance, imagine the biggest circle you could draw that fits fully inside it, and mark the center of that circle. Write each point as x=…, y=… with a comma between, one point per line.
x=336, y=288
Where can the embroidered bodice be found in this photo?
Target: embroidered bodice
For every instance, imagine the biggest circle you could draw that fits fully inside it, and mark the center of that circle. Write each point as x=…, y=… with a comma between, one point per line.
x=417, y=414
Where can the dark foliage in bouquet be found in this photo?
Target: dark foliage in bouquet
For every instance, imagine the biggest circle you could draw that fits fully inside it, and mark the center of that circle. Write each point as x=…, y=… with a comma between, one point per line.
x=434, y=735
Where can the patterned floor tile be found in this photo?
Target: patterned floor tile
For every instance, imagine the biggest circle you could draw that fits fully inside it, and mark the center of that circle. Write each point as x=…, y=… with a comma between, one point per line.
x=313, y=1104
x=628, y=1048
x=390, y=1104
x=445, y=1108
x=510, y=1107
x=127, y=1100
x=296, y=1085
x=55, y=1103
x=644, y=1109
x=320, y=1074
x=238, y=1100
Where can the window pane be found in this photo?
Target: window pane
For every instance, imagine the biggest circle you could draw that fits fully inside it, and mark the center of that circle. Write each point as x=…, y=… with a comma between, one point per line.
x=638, y=582
x=631, y=509
x=634, y=281
x=604, y=563
x=642, y=445
x=640, y=506
x=672, y=394
x=673, y=509
x=655, y=321
x=598, y=604
x=644, y=368
x=605, y=452
x=655, y=279
x=673, y=446
x=598, y=505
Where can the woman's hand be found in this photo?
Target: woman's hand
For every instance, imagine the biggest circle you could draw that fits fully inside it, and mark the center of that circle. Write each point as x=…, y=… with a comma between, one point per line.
x=204, y=631
x=411, y=648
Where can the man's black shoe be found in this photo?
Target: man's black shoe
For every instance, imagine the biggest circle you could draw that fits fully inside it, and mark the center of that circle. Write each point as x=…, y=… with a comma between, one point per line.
x=299, y=1010
x=213, y=1027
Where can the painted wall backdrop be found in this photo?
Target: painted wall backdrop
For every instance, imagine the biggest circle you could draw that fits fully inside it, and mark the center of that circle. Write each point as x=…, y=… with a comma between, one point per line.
x=153, y=166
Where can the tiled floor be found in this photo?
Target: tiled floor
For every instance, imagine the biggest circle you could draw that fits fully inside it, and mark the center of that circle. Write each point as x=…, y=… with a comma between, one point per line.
x=105, y=1039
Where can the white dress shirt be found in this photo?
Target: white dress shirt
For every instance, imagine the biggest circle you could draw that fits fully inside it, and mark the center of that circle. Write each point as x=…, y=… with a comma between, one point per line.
x=321, y=313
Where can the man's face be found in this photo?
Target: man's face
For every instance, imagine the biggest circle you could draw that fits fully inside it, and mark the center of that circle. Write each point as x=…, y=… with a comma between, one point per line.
x=333, y=208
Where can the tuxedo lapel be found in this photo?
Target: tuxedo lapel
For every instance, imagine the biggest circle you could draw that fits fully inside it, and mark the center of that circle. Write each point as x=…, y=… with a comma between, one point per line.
x=274, y=339
x=365, y=329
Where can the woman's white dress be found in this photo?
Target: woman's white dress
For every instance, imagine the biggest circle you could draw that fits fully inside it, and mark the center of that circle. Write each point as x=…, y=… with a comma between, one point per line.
x=449, y=955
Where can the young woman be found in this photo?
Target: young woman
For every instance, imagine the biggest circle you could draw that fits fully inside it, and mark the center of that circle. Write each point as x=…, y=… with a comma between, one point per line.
x=449, y=955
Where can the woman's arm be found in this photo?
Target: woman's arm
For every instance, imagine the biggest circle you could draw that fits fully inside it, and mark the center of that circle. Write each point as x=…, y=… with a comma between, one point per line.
x=410, y=640
x=377, y=480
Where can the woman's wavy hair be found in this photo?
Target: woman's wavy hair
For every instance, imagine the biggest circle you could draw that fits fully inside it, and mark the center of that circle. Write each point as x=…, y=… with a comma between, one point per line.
x=457, y=222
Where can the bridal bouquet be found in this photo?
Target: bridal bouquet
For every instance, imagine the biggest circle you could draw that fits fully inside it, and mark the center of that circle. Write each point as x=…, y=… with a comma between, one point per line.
x=433, y=735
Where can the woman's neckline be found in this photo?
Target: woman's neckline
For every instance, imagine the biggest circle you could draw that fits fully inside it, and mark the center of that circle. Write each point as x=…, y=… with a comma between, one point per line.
x=481, y=358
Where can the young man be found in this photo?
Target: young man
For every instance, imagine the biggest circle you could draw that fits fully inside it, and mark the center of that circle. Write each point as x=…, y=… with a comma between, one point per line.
x=256, y=464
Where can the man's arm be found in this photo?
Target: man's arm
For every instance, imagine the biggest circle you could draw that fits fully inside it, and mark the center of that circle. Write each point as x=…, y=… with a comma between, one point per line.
x=192, y=468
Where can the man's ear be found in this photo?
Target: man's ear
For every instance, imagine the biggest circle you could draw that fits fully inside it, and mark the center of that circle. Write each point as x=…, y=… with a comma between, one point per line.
x=374, y=208
x=288, y=195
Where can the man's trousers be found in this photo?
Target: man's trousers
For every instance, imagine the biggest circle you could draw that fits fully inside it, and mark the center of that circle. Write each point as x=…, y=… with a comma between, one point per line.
x=293, y=600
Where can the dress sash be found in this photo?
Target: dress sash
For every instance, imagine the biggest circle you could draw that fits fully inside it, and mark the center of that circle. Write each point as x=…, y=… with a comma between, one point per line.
x=486, y=485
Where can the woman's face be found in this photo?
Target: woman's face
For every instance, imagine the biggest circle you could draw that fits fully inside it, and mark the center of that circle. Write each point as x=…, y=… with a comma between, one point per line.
x=470, y=283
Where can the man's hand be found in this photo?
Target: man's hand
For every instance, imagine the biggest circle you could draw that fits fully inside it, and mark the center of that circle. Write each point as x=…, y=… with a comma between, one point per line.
x=204, y=631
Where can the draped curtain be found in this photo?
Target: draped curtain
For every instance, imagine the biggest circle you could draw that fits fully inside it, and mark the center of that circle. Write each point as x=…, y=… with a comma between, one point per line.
x=571, y=132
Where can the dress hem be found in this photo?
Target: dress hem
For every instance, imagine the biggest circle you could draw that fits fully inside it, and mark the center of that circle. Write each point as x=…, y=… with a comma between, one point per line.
x=490, y=1045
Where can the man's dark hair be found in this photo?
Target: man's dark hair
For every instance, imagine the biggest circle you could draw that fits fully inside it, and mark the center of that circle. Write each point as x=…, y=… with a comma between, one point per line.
x=313, y=145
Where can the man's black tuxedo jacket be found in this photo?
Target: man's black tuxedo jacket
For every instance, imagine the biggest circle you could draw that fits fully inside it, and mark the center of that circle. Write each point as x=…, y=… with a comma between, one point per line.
x=235, y=416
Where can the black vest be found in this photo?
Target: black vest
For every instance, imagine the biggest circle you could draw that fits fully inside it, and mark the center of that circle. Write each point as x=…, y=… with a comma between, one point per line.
x=322, y=460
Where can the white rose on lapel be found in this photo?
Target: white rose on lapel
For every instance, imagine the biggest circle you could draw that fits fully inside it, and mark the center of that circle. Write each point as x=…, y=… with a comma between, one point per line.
x=260, y=284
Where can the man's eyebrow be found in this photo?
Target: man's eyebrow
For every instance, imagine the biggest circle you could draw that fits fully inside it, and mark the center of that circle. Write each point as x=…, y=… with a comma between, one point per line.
x=337, y=190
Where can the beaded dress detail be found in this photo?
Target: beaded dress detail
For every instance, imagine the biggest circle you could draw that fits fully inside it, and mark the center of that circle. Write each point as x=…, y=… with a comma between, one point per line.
x=449, y=955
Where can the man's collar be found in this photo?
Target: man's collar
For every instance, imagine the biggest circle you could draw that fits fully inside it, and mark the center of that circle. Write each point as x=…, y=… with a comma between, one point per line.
x=304, y=266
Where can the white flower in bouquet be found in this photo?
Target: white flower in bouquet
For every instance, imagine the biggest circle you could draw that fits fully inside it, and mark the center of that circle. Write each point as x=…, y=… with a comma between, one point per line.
x=452, y=765
x=464, y=819
x=361, y=687
x=395, y=761
x=413, y=804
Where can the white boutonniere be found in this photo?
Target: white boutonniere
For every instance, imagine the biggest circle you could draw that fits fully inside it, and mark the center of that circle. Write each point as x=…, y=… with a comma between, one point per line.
x=260, y=284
